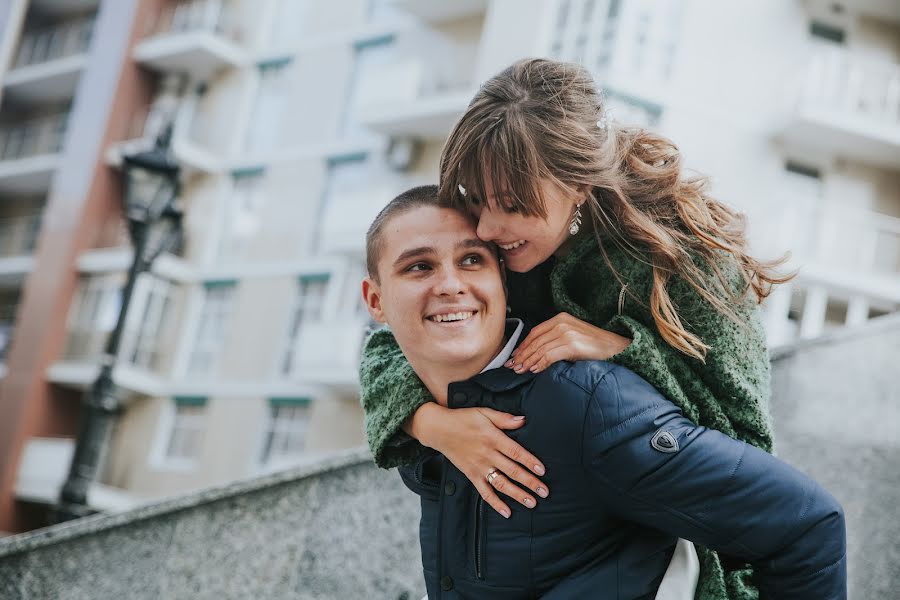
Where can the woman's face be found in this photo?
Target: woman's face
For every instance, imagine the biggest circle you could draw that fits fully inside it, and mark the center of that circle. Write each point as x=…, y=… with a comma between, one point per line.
x=526, y=241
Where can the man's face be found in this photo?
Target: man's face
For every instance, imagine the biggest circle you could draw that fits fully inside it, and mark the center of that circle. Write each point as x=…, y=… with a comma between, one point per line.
x=440, y=289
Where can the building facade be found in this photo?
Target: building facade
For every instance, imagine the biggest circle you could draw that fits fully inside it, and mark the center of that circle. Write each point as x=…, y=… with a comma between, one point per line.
x=295, y=121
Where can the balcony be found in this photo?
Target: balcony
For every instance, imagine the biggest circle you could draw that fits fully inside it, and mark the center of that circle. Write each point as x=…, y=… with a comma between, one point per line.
x=420, y=87
x=29, y=153
x=18, y=239
x=43, y=469
x=49, y=63
x=849, y=106
x=861, y=247
x=883, y=10
x=439, y=12
x=198, y=37
x=327, y=353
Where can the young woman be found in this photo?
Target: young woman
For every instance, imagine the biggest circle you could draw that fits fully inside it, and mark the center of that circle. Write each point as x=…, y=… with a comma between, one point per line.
x=616, y=254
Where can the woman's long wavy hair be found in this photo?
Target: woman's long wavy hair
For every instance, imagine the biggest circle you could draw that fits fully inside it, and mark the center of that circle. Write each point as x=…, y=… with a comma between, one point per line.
x=538, y=119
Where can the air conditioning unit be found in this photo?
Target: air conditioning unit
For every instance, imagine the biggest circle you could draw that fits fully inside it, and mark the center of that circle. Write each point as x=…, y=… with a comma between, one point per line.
x=402, y=153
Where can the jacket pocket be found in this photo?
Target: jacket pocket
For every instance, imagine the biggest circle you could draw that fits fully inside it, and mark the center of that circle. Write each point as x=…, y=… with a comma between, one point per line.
x=415, y=477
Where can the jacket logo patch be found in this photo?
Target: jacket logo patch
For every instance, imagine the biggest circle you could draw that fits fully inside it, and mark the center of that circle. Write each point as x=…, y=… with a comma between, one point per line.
x=664, y=442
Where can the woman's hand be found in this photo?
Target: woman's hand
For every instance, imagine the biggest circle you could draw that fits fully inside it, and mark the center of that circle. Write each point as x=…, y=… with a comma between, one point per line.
x=473, y=440
x=564, y=337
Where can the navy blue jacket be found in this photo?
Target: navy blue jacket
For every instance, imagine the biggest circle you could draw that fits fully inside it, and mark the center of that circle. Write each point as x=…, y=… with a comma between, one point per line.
x=628, y=475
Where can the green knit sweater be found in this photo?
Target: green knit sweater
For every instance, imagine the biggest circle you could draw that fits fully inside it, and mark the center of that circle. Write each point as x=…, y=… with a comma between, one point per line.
x=729, y=392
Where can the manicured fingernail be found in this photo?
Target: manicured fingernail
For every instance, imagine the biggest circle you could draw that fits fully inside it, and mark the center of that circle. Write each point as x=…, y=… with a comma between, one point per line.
x=533, y=368
x=542, y=492
x=539, y=469
x=528, y=502
x=508, y=363
x=519, y=418
x=505, y=513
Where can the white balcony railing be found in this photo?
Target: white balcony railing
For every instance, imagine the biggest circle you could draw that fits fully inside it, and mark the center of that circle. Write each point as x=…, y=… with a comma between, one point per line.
x=841, y=80
x=39, y=136
x=189, y=16
x=18, y=235
x=52, y=43
x=834, y=237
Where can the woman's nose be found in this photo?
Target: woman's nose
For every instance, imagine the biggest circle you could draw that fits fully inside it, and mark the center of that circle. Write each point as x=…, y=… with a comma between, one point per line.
x=487, y=229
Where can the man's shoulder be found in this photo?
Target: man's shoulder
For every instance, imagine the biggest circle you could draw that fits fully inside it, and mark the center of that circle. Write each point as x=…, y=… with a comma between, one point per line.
x=617, y=391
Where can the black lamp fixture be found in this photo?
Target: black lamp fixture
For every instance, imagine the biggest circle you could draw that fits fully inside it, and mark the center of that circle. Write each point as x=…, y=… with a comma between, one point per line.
x=151, y=186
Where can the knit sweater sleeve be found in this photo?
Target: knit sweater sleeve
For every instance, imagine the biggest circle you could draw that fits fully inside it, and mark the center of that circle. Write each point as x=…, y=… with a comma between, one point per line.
x=729, y=391
x=390, y=393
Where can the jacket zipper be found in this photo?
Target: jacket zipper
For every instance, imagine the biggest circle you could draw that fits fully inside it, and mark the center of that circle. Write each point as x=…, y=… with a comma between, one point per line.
x=479, y=524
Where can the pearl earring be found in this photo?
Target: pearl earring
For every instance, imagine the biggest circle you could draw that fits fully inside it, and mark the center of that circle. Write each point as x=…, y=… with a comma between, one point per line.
x=575, y=224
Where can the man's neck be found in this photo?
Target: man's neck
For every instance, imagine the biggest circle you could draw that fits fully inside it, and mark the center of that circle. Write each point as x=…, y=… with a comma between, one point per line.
x=438, y=377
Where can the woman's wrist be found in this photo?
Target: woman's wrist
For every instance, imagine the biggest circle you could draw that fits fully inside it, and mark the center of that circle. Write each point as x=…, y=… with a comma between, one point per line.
x=421, y=424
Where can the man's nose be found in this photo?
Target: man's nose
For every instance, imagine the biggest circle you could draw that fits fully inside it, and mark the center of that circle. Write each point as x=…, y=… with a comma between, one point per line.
x=449, y=283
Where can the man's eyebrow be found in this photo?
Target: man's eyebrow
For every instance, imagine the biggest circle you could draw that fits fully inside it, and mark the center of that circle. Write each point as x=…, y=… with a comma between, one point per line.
x=413, y=252
x=474, y=243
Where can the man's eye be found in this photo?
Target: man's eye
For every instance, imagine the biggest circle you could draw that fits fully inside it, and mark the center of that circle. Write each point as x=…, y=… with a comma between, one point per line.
x=418, y=267
x=472, y=259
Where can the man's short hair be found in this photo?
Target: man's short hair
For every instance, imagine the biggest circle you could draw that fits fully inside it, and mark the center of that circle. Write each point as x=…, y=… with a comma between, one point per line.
x=423, y=195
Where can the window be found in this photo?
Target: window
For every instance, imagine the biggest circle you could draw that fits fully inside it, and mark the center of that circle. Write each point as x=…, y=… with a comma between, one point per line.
x=271, y=99
x=93, y=316
x=638, y=38
x=349, y=189
x=188, y=426
x=287, y=428
x=217, y=301
x=143, y=343
x=288, y=25
x=368, y=86
x=310, y=302
x=242, y=216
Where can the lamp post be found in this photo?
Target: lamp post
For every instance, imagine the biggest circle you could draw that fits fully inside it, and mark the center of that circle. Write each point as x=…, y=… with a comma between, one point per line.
x=154, y=223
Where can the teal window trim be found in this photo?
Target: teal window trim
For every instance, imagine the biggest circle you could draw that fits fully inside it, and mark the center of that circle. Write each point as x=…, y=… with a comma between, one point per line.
x=280, y=401
x=314, y=277
x=219, y=283
x=827, y=32
x=274, y=63
x=248, y=172
x=372, y=42
x=199, y=401
x=801, y=169
x=651, y=107
x=342, y=159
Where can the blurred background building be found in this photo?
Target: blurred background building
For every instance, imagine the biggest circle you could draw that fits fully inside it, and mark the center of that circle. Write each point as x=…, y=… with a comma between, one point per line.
x=295, y=121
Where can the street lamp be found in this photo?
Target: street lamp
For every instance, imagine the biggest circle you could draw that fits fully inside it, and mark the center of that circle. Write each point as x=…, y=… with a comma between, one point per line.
x=154, y=223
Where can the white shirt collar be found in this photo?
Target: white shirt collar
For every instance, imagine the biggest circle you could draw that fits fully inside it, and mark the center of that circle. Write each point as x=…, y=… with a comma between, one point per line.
x=501, y=358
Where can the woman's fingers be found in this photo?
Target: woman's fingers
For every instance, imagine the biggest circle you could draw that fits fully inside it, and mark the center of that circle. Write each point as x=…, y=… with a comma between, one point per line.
x=529, y=354
x=516, y=473
x=502, y=420
x=503, y=485
x=490, y=497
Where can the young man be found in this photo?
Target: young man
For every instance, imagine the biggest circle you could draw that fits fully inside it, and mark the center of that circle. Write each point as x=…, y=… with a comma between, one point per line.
x=630, y=474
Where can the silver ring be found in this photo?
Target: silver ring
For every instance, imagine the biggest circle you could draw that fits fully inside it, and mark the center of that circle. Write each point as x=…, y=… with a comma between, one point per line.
x=491, y=476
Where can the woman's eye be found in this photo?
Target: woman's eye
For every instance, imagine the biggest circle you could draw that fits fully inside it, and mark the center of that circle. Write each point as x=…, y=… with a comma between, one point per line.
x=511, y=209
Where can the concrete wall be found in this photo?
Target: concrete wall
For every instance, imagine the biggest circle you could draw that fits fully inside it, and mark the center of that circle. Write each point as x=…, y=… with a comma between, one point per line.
x=342, y=529
x=836, y=406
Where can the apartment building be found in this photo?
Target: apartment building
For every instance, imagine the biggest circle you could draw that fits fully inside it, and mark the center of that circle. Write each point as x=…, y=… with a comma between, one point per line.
x=296, y=120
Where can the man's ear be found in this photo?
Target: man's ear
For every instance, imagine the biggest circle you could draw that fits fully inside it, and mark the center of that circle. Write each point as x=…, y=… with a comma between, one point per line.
x=372, y=297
